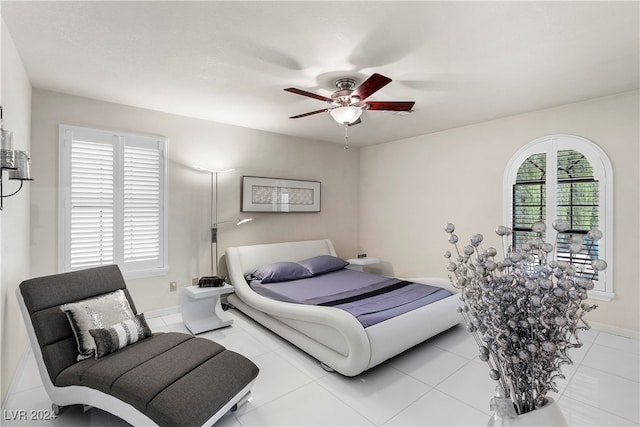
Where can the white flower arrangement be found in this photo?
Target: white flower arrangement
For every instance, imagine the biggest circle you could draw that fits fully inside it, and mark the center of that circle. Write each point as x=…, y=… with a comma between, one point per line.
x=524, y=311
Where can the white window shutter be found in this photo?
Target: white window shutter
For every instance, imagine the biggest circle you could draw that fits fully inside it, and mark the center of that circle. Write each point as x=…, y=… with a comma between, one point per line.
x=92, y=211
x=142, y=206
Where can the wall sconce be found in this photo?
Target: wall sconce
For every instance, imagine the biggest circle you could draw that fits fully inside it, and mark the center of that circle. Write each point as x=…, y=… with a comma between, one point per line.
x=16, y=162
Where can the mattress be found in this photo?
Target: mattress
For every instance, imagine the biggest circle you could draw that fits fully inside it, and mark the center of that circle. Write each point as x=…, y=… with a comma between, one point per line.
x=368, y=297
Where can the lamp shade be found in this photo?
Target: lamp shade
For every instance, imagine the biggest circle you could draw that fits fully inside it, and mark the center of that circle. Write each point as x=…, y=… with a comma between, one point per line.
x=7, y=155
x=22, y=169
x=346, y=115
x=203, y=169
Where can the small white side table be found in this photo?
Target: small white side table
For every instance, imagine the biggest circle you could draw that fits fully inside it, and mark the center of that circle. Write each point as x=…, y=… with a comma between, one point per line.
x=358, y=264
x=201, y=308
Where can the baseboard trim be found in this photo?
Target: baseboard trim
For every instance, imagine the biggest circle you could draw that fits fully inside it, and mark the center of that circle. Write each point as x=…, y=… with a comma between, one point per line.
x=623, y=332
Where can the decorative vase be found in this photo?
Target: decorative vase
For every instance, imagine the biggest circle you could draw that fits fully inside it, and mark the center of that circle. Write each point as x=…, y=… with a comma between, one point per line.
x=547, y=415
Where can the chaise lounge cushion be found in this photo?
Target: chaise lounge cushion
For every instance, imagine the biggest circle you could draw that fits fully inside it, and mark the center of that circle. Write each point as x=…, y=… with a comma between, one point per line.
x=174, y=378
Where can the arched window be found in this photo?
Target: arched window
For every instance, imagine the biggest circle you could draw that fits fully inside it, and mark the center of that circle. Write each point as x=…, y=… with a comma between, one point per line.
x=566, y=177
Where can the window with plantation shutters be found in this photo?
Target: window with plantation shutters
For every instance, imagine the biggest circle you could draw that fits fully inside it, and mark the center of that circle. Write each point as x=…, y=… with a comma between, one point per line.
x=564, y=177
x=112, y=201
x=529, y=197
x=578, y=204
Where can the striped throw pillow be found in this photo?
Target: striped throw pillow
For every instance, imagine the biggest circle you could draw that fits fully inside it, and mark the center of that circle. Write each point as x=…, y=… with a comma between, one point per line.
x=120, y=335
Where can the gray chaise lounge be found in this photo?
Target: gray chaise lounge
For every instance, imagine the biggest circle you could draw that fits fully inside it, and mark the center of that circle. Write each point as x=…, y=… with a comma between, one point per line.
x=168, y=379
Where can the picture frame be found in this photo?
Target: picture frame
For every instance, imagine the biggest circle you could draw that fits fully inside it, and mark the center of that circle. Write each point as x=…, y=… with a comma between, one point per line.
x=262, y=194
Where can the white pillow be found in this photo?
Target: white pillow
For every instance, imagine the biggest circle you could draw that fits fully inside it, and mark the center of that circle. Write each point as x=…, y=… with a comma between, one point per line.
x=96, y=313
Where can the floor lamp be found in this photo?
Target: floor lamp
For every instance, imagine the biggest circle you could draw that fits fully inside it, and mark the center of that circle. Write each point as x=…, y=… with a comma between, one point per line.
x=214, y=213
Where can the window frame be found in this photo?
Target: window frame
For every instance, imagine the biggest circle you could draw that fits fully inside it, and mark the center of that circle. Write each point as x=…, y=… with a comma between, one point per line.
x=119, y=140
x=602, y=171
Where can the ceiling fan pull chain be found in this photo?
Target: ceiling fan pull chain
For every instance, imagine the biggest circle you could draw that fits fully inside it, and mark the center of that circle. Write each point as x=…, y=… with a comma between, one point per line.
x=346, y=136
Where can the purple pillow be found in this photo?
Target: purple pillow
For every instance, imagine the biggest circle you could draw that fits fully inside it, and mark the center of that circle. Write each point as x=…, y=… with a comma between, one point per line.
x=280, y=272
x=323, y=264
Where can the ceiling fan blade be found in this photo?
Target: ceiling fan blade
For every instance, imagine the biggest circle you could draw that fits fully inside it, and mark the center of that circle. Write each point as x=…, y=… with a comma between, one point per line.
x=357, y=122
x=371, y=85
x=310, y=114
x=391, y=105
x=309, y=94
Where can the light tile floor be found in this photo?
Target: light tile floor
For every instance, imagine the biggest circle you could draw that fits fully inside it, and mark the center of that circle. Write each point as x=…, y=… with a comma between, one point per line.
x=440, y=382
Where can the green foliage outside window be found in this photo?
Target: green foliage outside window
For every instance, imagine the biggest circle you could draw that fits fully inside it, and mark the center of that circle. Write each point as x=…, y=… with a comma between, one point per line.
x=576, y=201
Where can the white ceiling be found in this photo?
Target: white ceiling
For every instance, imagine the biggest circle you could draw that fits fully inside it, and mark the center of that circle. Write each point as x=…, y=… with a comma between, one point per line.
x=462, y=62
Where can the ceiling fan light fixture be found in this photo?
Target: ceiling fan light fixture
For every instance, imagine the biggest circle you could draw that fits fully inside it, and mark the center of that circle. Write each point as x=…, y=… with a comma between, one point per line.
x=346, y=115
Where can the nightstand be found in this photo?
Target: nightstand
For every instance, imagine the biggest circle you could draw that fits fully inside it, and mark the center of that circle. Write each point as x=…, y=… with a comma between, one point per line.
x=358, y=264
x=201, y=308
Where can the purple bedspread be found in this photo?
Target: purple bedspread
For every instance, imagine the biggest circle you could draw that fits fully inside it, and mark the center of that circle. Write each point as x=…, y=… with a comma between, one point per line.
x=370, y=298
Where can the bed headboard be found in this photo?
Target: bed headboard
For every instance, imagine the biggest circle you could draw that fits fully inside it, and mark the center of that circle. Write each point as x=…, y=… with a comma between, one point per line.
x=247, y=258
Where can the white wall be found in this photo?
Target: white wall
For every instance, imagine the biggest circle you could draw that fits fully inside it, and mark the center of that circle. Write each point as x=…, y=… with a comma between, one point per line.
x=210, y=144
x=411, y=188
x=15, y=98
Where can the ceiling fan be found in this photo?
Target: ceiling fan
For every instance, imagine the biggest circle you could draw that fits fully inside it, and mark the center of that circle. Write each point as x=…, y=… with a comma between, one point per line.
x=348, y=102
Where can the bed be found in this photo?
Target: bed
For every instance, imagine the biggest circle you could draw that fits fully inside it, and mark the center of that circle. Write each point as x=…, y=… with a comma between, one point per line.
x=332, y=335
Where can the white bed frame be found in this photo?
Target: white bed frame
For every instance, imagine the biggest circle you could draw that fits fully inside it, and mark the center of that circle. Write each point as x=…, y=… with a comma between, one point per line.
x=329, y=334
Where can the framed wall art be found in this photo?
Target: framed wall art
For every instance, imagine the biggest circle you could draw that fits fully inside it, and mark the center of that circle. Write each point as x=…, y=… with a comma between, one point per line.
x=261, y=194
